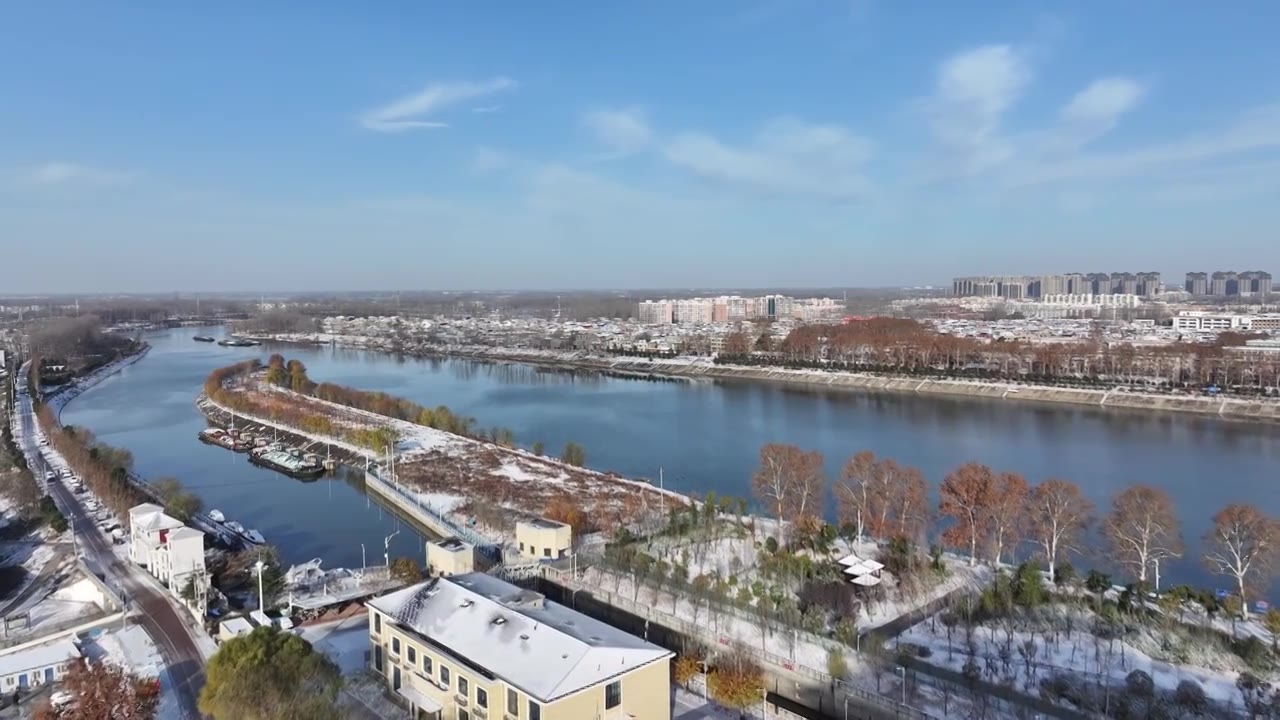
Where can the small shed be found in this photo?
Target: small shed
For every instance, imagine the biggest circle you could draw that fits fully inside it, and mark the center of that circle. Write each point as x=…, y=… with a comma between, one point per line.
x=450, y=556
x=544, y=539
x=233, y=628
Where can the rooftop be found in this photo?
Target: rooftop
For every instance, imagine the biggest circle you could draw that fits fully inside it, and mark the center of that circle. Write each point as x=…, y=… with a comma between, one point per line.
x=545, y=524
x=184, y=533
x=543, y=648
x=151, y=518
x=39, y=656
x=452, y=544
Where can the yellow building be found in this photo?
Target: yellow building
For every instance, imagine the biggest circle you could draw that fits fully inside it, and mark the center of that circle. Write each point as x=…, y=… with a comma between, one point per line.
x=544, y=539
x=473, y=647
x=450, y=556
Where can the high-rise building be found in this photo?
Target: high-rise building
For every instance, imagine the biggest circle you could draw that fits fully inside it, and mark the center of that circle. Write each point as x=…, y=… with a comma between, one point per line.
x=1148, y=283
x=1223, y=283
x=656, y=312
x=1255, y=282
x=1098, y=284
x=1197, y=283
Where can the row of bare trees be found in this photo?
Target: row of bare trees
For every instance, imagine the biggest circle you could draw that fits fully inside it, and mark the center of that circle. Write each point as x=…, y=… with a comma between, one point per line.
x=909, y=346
x=103, y=468
x=989, y=515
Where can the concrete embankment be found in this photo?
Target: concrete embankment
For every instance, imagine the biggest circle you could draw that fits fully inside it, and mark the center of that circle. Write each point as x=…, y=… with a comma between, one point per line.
x=1228, y=408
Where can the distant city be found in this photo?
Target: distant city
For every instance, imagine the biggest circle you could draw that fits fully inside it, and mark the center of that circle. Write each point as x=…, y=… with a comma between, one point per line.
x=733, y=308
x=1222, y=283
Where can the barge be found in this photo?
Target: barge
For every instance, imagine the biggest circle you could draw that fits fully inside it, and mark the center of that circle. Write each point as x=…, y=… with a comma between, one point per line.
x=223, y=439
x=288, y=462
x=203, y=338
x=238, y=342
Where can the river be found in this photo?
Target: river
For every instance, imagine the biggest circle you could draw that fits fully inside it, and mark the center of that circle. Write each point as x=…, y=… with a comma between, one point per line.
x=706, y=435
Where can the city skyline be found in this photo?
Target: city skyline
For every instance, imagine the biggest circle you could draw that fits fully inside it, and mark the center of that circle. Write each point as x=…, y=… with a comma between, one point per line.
x=414, y=148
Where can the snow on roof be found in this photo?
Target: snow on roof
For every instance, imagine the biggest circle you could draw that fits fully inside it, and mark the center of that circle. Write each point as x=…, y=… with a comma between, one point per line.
x=38, y=657
x=543, y=648
x=866, y=580
x=184, y=532
x=150, y=518
x=237, y=626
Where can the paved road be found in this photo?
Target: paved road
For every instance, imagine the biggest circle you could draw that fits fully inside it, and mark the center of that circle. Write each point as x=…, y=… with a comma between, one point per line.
x=158, y=617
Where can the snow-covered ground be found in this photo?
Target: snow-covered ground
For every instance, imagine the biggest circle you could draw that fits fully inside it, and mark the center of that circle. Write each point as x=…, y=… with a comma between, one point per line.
x=133, y=649
x=1023, y=654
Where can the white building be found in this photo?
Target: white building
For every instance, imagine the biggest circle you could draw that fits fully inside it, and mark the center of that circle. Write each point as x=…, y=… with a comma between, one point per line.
x=656, y=312
x=171, y=551
x=37, y=665
x=1191, y=321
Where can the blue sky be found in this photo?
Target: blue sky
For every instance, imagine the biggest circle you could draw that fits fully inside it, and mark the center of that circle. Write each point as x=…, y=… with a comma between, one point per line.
x=152, y=146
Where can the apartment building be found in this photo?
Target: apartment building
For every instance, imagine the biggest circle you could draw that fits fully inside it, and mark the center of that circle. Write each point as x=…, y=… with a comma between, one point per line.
x=476, y=647
x=656, y=312
x=171, y=551
x=732, y=308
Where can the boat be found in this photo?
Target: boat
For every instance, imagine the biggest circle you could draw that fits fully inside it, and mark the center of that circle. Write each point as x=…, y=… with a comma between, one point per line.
x=223, y=439
x=254, y=536
x=203, y=338
x=287, y=462
x=238, y=342
x=217, y=516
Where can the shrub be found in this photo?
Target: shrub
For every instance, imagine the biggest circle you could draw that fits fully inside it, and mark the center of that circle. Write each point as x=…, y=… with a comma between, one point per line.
x=736, y=682
x=686, y=668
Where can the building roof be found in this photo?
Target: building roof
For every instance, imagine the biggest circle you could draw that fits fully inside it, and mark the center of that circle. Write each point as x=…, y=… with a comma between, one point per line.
x=151, y=518
x=237, y=626
x=544, y=524
x=185, y=533
x=38, y=657
x=452, y=544
x=543, y=648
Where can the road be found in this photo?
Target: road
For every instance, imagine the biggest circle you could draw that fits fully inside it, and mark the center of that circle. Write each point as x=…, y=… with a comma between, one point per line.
x=157, y=615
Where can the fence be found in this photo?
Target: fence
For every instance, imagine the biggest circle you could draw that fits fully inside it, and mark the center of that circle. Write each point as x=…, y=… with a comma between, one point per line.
x=842, y=690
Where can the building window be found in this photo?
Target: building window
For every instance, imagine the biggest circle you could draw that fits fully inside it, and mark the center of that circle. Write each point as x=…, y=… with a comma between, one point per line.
x=513, y=702
x=377, y=623
x=613, y=695
x=444, y=675
x=412, y=654
x=546, y=552
x=521, y=547
x=377, y=658
x=482, y=698
x=395, y=646
x=426, y=665
x=463, y=714
x=535, y=711
x=463, y=688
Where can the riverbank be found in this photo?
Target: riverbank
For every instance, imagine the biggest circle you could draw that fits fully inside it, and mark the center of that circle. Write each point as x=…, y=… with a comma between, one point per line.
x=72, y=390
x=690, y=368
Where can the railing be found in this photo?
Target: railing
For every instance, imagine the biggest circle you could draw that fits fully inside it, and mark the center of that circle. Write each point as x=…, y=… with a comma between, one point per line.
x=483, y=544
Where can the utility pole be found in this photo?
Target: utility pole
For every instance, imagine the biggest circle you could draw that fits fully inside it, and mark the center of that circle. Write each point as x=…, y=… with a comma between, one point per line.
x=261, y=598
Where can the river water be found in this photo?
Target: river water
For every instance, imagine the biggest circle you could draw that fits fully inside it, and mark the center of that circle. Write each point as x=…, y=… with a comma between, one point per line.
x=705, y=435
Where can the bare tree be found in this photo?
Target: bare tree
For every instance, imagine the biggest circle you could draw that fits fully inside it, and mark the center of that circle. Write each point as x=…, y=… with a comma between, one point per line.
x=1007, y=519
x=1059, y=514
x=967, y=494
x=853, y=491
x=910, y=505
x=789, y=482
x=1243, y=545
x=1142, y=529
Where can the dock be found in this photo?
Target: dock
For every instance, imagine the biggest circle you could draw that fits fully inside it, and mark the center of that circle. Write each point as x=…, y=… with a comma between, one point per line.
x=311, y=589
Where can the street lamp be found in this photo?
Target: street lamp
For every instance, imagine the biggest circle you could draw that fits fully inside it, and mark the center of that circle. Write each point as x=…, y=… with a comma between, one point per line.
x=903, y=672
x=386, y=549
x=259, y=566
x=363, y=563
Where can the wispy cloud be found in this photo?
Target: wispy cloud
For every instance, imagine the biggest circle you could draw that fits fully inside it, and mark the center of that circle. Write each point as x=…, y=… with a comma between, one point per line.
x=486, y=109
x=974, y=90
x=622, y=132
x=65, y=173
x=487, y=160
x=413, y=112
x=788, y=157
x=1095, y=110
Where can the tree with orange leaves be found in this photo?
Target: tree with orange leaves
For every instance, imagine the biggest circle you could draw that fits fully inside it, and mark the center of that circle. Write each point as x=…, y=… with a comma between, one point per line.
x=1058, y=514
x=789, y=482
x=853, y=491
x=1006, y=518
x=884, y=481
x=1244, y=544
x=102, y=690
x=967, y=495
x=1142, y=529
x=910, y=505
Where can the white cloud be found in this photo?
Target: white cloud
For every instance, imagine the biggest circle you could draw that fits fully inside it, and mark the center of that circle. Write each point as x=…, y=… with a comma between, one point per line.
x=787, y=157
x=486, y=109
x=974, y=91
x=1255, y=131
x=623, y=132
x=1095, y=110
x=413, y=111
x=62, y=173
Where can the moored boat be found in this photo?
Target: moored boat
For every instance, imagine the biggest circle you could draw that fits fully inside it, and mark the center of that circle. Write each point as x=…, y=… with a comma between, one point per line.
x=287, y=462
x=203, y=338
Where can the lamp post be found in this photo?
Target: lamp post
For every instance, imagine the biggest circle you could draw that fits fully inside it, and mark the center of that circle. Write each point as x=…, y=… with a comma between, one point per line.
x=262, y=601
x=903, y=672
x=1156, y=562
x=386, y=549
x=363, y=562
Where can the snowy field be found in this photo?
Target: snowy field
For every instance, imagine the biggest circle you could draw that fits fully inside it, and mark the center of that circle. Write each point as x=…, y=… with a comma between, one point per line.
x=1021, y=654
